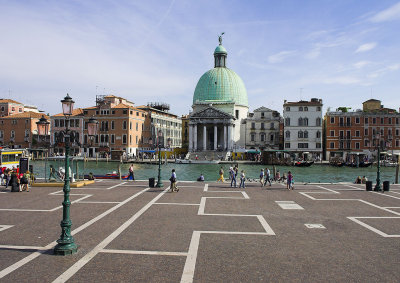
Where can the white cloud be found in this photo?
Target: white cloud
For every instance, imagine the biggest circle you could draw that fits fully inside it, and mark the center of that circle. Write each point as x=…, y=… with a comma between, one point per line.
x=382, y=71
x=391, y=13
x=361, y=64
x=342, y=80
x=314, y=53
x=279, y=57
x=366, y=47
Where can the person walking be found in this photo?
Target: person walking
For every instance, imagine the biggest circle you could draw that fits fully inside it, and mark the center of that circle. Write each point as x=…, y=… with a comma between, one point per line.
x=278, y=176
x=233, y=177
x=262, y=177
x=289, y=184
x=221, y=175
x=267, y=177
x=25, y=181
x=14, y=182
x=242, y=179
x=173, y=188
x=131, y=176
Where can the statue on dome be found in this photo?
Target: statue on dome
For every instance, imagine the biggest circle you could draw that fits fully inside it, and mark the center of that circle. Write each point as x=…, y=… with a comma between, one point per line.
x=220, y=38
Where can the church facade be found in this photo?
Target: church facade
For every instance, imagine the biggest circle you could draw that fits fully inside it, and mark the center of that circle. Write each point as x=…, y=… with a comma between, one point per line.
x=220, y=103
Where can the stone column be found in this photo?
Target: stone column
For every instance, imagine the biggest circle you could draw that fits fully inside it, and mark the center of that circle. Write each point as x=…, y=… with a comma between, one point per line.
x=225, y=138
x=215, y=137
x=204, y=138
x=195, y=138
x=229, y=137
x=190, y=137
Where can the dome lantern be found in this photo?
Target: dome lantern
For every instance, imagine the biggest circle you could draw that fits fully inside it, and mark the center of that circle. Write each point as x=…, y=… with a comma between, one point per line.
x=220, y=54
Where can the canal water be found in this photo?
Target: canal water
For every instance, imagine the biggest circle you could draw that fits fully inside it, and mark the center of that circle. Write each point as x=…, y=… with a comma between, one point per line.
x=190, y=172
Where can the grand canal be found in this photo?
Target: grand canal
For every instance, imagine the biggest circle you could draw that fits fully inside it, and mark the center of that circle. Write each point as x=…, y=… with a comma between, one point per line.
x=190, y=172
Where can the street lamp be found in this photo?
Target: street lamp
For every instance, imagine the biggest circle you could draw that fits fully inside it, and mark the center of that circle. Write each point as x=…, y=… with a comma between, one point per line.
x=43, y=130
x=159, y=182
x=66, y=243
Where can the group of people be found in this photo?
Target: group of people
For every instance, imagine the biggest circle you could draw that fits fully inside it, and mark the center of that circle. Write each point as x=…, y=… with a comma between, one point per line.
x=265, y=177
x=13, y=178
x=360, y=180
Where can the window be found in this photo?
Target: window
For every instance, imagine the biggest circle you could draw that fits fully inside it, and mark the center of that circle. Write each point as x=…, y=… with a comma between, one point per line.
x=137, y=138
x=124, y=140
x=332, y=133
x=262, y=137
x=305, y=121
x=112, y=138
x=124, y=125
x=366, y=120
x=318, y=108
x=382, y=121
x=397, y=143
x=366, y=132
x=287, y=108
x=287, y=134
x=318, y=135
x=397, y=121
x=357, y=120
x=113, y=112
x=130, y=125
x=318, y=122
x=373, y=120
x=318, y=145
x=332, y=120
x=397, y=132
x=332, y=145
x=130, y=139
x=262, y=126
x=300, y=134
x=357, y=145
x=237, y=114
x=357, y=133
x=306, y=134
x=252, y=137
x=2, y=108
x=287, y=145
x=271, y=137
x=253, y=125
x=306, y=108
x=12, y=108
x=56, y=123
x=112, y=125
x=300, y=122
x=137, y=114
x=287, y=121
x=14, y=122
x=125, y=112
x=366, y=142
x=262, y=114
x=341, y=134
x=137, y=126
x=390, y=121
x=272, y=126
x=62, y=123
x=300, y=108
x=12, y=134
x=20, y=109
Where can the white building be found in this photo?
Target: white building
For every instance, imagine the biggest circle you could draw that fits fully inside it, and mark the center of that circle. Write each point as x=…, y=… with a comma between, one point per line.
x=261, y=129
x=303, y=128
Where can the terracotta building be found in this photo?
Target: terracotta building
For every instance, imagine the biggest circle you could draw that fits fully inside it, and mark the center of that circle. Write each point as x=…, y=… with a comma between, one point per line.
x=350, y=134
x=119, y=133
x=10, y=107
x=20, y=130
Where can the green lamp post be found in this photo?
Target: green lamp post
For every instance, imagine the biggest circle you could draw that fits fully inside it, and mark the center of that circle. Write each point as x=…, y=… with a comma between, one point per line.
x=43, y=130
x=159, y=144
x=378, y=171
x=66, y=243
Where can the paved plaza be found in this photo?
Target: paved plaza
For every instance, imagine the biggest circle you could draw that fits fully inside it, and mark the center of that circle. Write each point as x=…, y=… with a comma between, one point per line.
x=207, y=232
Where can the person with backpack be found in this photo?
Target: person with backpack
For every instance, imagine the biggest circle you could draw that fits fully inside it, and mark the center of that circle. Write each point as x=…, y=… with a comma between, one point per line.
x=173, y=188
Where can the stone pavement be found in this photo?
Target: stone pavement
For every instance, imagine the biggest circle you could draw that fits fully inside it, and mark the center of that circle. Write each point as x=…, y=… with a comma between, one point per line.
x=207, y=232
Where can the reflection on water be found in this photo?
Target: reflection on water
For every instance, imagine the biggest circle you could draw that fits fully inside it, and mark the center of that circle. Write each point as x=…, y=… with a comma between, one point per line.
x=190, y=172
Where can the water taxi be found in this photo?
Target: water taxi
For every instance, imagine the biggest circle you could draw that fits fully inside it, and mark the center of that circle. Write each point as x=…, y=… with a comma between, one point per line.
x=9, y=158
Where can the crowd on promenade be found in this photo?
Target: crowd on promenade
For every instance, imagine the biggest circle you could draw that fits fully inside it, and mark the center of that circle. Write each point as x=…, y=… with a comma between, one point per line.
x=16, y=180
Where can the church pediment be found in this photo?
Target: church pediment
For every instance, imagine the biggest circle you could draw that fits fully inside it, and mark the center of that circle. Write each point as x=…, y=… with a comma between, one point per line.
x=211, y=112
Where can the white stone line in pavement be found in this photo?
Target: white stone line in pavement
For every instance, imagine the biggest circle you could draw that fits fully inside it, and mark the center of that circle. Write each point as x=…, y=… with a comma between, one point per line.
x=34, y=255
x=395, y=192
x=143, y=252
x=205, y=187
x=386, y=195
x=354, y=187
x=11, y=247
x=5, y=227
x=289, y=205
x=99, y=202
x=85, y=259
x=379, y=232
x=176, y=203
x=112, y=187
x=330, y=190
x=391, y=207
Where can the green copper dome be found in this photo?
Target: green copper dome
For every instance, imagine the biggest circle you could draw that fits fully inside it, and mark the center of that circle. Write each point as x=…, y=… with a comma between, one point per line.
x=220, y=85
x=220, y=49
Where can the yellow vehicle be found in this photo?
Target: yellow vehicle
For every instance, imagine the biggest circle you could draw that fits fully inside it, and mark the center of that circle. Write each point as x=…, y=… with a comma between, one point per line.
x=9, y=158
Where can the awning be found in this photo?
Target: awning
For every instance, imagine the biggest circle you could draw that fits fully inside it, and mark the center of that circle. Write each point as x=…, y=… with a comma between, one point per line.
x=253, y=151
x=148, y=151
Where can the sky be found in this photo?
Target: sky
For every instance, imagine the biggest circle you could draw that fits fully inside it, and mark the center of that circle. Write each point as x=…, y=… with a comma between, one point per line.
x=343, y=51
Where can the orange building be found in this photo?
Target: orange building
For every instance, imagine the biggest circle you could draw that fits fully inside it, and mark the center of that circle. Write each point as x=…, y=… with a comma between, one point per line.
x=20, y=130
x=10, y=107
x=119, y=133
x=350, y=134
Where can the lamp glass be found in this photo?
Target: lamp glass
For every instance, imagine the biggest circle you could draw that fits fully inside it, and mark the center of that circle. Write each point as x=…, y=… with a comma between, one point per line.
x=92, y=127
x=67, y=105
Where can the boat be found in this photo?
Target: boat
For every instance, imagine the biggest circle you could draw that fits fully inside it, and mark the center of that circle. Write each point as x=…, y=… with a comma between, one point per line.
x=365, y=164
x=303, y=163
x=337, y=164
x=388, y=163
x=108, y=176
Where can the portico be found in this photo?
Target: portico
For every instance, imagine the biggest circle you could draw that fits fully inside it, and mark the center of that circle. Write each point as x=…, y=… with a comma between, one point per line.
x=211, y=129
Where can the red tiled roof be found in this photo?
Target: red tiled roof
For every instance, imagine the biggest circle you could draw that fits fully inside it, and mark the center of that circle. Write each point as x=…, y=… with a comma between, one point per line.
x=9, y=101
x=75, y=112
x=27, y=114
